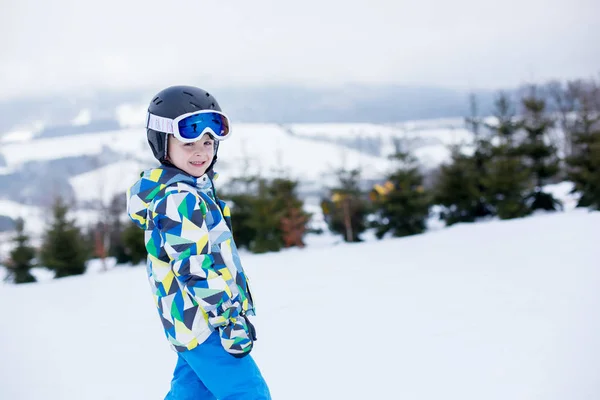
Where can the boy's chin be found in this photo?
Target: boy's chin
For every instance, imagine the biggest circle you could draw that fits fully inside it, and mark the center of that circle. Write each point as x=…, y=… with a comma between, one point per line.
x=196, y=172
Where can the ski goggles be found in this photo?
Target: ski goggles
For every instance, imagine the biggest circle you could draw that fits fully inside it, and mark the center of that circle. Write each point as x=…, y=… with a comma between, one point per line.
x=192, y=126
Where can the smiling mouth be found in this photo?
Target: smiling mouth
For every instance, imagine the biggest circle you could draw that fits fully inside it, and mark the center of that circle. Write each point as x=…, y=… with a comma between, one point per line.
x=197, y=163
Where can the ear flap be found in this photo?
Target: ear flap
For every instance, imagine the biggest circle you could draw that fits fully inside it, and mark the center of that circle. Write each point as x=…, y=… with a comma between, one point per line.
x=158, y=144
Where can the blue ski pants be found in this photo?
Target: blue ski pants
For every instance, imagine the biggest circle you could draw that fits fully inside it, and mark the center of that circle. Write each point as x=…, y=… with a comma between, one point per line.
x=208, y=372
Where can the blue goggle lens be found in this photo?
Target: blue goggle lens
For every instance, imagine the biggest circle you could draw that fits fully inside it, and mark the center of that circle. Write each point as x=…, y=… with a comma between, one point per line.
x=194, y=126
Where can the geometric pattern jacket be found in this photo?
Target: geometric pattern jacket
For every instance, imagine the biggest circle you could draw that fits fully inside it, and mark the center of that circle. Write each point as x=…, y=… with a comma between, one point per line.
x=193, y=265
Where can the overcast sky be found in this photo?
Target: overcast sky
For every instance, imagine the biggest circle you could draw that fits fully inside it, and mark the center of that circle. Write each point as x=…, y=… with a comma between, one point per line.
x=59, y=45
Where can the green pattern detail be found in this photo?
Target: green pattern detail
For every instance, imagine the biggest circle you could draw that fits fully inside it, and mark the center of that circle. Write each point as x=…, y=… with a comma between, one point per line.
x=207, y=263
x=203, y=208
x=175, y=239
x=151, y=247
x=175, y=312
x=183, y=209
x=203, y=293
x=185, y=254
x=155, y=192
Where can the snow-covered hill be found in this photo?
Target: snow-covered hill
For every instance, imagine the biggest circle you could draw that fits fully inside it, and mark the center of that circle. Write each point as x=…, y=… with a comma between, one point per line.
x=497, y=310
x=88, y=167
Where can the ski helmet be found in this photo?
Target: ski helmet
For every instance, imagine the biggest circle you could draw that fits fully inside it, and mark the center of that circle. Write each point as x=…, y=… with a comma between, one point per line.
x=171, y=103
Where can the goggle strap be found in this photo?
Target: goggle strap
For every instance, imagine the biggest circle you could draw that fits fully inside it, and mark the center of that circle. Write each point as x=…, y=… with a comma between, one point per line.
x=160, y=124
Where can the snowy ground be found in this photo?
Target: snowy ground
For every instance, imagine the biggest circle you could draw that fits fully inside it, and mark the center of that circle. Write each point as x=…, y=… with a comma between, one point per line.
x=490, y=311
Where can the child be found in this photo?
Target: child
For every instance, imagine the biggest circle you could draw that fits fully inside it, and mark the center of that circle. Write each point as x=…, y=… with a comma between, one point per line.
x=200, y=288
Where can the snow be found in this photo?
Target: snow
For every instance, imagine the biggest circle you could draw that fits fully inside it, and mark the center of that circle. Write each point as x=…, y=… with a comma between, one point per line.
x=266, y=148
x=83, y=118
x=104, y=182
x=562, y=191
x=17, y=136
x=70, y=146
x=495, y=310
x=130, y=115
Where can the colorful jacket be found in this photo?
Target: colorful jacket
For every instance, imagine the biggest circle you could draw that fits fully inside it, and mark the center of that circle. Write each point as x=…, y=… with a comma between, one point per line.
x=193, y=265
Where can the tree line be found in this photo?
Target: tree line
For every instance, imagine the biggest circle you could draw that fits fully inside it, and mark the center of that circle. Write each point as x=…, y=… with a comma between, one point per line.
x=501, y=172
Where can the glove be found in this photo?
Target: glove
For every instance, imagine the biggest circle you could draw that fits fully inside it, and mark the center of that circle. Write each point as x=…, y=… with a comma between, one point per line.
x=238, y=336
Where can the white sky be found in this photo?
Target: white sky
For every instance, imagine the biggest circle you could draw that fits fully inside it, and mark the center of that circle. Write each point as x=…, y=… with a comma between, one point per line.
x=72, y=44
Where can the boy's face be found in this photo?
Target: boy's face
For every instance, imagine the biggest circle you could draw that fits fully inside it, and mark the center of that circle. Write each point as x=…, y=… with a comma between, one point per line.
x=193, y=158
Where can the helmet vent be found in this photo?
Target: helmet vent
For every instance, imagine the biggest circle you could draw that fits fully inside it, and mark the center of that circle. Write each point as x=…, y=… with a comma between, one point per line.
x=195, y=105
x=157, y=102
x=188, y=93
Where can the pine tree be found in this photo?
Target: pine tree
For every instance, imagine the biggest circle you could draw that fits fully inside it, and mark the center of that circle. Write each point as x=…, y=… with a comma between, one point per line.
x=584, y=162
x=541, y=156
x=20, y=263
x=459, y=190
x=63, y=249
x=293, y=227
x=346, y=209
x=507, y=178
x=266, y=222
x=242, y=206
x=133, y=244
x=460, y=186
x=585, y=168
x=258, y=209
x=404, y=208
x=288, y=208
x=116, y=247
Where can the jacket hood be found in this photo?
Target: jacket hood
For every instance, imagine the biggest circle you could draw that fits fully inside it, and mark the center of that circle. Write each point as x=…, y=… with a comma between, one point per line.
x=151, y=185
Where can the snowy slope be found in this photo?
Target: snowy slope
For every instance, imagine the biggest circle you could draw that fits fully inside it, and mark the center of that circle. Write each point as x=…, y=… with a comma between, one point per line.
x=253, y=148
x=494, y=311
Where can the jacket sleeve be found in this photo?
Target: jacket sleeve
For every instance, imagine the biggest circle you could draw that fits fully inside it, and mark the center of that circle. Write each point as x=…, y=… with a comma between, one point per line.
x=181, y=221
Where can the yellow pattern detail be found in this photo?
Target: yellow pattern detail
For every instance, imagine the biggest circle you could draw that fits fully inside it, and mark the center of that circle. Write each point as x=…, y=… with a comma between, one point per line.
x=193, y=344
x=141, y=220
x=202, y=242
x=168, y=281
x=226, y=274
x=226, y=211
x=181, y=328
x=188, y=225
x=155, y=174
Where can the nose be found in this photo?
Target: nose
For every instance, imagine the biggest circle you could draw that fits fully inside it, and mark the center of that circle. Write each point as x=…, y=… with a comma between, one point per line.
x=201, y=151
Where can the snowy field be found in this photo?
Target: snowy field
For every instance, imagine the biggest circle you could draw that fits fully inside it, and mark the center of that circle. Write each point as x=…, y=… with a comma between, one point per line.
x=490, y=311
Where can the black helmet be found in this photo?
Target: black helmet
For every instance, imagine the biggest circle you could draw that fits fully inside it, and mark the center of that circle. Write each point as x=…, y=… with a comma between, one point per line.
x=171, y=103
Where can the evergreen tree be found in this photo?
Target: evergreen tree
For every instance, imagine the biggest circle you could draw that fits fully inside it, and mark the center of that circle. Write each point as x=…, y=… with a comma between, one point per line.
x=21, y=256
x=459, y=190
x=460, y=186
x=116, y=247
x=258, y=212
x=63, y=249
x=240, y=196
x=242, y=206
x=584, y=162
x=403, y=208
x=507, y=178
x=482, y=153
x=346, y=208
x=288, y=208
x=265, y=220
x=134, y=245
x=541, y=156
x=293, y=227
